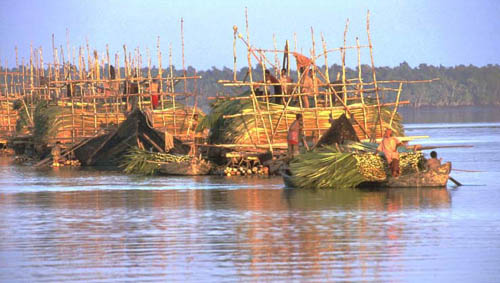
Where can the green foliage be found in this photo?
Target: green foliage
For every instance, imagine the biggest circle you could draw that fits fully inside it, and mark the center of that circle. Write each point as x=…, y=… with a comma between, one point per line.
x=326, y=168
x=138, y=161
x=47, y=120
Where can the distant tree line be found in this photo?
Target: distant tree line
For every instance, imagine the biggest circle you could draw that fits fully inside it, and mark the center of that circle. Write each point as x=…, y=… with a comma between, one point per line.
x=457, y=86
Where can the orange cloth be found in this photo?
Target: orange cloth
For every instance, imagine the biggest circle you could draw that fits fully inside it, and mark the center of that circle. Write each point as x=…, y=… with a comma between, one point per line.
x=302, y=61
x=294, y=132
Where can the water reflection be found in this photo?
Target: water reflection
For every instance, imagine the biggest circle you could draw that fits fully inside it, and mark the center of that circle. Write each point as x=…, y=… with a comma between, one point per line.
x=256, y=233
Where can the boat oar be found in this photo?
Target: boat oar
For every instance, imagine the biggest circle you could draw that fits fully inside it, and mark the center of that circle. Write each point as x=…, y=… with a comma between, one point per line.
x=454, y=181
x=469, y=171
x=444, y=146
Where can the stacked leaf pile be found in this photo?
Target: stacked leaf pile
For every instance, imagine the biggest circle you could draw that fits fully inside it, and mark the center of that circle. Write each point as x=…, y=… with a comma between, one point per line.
x=239, y=121
x=143, y=162
x=347, y=166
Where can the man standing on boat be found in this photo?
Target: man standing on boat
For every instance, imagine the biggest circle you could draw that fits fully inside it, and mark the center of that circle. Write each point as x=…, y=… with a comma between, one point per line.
x=389, y=146
x=295, y=135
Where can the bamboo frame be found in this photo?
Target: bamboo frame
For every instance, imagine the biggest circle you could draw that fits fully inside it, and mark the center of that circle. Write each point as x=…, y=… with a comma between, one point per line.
x=353, y=97
x=81, y=82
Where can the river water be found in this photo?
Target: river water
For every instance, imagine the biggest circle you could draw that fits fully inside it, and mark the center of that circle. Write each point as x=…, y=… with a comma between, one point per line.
x=90, y=226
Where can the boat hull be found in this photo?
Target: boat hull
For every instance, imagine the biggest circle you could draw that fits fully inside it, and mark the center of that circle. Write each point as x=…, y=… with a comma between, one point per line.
x=430, y=178
x=188, y=168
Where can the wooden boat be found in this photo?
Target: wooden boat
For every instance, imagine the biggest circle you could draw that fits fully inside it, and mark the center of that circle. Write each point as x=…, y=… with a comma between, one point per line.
x=136, y=130
x=187, y=168
x=429, y=178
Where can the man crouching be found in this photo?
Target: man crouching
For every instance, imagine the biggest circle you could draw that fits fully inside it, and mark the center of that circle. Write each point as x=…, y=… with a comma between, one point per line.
x=389, y=146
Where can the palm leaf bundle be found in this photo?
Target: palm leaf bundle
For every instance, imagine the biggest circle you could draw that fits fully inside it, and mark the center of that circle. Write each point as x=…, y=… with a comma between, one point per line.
x=347, y=166
x=143, y=162
x=237, y=122
x=48, y=120
x=326, y=168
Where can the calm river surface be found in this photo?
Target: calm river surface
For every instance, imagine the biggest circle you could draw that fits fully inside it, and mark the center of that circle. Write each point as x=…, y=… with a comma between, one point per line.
x=90, y=226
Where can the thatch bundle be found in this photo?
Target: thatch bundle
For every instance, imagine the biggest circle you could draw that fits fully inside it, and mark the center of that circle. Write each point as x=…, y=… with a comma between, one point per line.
x=143, y=162
x=346, y=167
x=70, y=122
x=180, y=121
x=48, y=119
x=234, y=122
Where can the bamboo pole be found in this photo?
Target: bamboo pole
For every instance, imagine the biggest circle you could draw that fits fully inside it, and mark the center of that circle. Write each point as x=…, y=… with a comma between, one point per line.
x=160, y=76
x=373, y=69
x=172, y=89
x=344, y=88
x=235, y=32
x=81, y=67
x=397, y=104
x=72, y=92
x=138, y=75
x=313, y=70
x=360, y=79
x=7, y=95
x=266, y=94
x=183, y=64
x=328, y=96
x=118, y=97
x=93, y=75
x=255, y=102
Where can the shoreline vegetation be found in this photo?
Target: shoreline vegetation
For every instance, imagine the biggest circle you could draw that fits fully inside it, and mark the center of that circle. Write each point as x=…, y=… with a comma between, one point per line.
x=456, y=86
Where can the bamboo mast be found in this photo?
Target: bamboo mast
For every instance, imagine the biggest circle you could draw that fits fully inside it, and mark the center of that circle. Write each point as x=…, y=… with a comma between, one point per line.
x=41, y=72
x=235, y=31
x=7, y=94
x=360, y=79
x=119, y=96
x=183, y=64
x=160, y=77
x=266, y=93
x=138, y=77
x=94, y=76
x=108, y=87
x=373, y=71
x=81, y=66
x=256, y=105
x=71, y=93
x=328, y=96
x=2, y=90
x=313, y=70
x=31, y=73
x=172, y=89
x=344, y=88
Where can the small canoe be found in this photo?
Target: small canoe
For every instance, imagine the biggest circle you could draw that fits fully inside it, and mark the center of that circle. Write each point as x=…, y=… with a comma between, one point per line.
x=186, y=168
x=430, y=178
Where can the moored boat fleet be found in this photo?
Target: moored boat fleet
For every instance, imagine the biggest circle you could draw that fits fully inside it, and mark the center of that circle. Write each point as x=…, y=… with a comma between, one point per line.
x=146, y=121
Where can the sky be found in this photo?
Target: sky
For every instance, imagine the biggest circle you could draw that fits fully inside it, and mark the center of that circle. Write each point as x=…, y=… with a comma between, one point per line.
x=447, y=33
